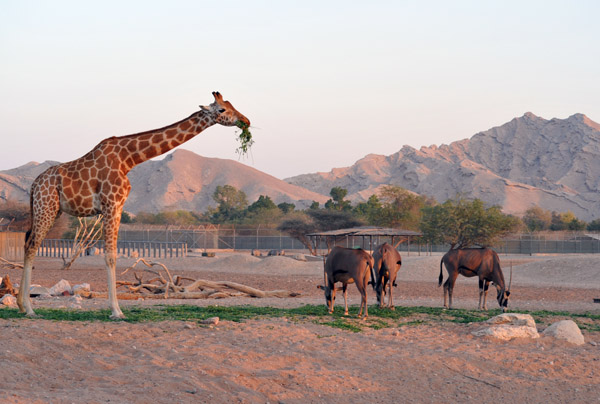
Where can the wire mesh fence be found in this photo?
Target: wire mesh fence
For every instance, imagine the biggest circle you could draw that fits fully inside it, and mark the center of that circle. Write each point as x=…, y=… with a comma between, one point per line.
x=161, y=241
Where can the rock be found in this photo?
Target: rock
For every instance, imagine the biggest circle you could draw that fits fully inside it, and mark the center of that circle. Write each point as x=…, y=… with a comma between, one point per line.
x=61, y=287
x=8, y=301
x=37, y=290
x=513, y=319
x=81, y=289
x=256, y=253
x=299, y=257
x=75, y=299
x=211, y=321
x=273, y=253
x=565, y=330
x=507, y=326
x=134, y=254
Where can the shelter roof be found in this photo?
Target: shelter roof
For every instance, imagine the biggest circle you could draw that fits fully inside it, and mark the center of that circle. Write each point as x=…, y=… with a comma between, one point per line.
x=366, y=231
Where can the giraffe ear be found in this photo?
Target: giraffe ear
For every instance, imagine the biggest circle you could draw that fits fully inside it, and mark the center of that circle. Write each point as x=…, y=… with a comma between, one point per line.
x=203, y=108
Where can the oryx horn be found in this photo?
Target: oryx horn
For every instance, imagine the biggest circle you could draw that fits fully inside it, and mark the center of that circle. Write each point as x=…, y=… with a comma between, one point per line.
x=510, y=281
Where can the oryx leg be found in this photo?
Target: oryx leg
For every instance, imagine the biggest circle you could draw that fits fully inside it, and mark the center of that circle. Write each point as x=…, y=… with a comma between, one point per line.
x=363, y=298
x=331, y=302
x=483, y=289
x=344, y=289
x=448, y=288
x=390, y=299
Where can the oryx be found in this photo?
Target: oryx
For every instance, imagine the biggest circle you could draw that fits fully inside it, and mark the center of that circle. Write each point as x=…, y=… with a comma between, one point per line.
x=481, y=262
x=347, y=265
x=387, y=264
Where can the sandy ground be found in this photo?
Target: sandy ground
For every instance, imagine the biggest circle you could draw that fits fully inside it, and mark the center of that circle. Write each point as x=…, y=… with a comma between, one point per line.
x=280, y=361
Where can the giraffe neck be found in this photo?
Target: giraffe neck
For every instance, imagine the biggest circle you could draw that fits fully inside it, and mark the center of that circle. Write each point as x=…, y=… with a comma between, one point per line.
x=137, y=148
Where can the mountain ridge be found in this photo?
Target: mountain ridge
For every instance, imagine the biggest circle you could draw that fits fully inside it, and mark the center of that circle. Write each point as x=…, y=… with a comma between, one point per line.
x=525, y=162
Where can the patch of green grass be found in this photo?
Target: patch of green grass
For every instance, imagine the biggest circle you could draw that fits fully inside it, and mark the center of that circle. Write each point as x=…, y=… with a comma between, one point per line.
x=342, y=323
x=378, y=318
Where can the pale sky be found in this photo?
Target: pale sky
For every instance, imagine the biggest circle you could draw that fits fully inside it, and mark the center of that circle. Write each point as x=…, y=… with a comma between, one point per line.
x=323, y=82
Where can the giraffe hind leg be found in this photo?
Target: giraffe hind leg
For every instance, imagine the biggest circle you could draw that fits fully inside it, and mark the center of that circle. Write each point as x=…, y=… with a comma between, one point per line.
x=41, y=223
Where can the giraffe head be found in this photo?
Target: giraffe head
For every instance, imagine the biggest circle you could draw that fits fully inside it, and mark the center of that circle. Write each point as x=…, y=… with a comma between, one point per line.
x=223, y=112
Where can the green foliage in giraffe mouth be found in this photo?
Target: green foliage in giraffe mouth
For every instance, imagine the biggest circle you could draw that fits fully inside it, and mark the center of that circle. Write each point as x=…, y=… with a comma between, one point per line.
x=245, y=138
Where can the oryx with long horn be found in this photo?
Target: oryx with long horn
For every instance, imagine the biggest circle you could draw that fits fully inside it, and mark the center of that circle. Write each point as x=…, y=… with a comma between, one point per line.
x=481, y=262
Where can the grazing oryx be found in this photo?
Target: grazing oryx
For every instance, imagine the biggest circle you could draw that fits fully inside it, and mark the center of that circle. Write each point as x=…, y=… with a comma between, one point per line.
x=347, y=265
x=481, y=262
x=387, y=264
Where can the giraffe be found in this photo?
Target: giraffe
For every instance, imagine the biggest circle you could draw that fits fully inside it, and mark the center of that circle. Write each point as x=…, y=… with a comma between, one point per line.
x=97, y=183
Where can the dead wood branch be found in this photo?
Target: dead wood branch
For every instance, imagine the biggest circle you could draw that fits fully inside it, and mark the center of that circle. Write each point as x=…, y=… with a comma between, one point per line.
x=6, y=264
x=198, y=289
x=85, y=237
x=150, y=264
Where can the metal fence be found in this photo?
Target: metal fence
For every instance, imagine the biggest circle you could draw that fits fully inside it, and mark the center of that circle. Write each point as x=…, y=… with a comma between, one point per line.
x=176, y=242
x=246, y=238
x=151, y=249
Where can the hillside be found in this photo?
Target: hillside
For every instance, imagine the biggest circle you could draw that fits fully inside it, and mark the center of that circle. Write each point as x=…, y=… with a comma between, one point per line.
x=182, y=180
x=527, y=161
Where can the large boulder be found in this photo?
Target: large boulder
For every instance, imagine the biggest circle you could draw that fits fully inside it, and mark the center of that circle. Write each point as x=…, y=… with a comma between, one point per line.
x=63, y=287
x=565, y=330
x=508, y=326
x=81, y=289
x=8, y=301
x=38, y=290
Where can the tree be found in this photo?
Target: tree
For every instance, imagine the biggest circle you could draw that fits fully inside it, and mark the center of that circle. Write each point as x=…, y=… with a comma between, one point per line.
x=263, y=211
x=400, y=208
x=286, y=207
x=314, y=220
x=262, y=203
x=463, y=223
x=298, y=226
x=566, y=221
x=337, y=201
x=537, y=219
x=594, y=225
x=126, y=217
x=231, y=204
x=326, y=220
x=370, y=211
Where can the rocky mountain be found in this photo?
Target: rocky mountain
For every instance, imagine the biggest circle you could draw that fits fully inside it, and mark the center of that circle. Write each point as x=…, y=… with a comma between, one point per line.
x=182, y=180
x=525, y=162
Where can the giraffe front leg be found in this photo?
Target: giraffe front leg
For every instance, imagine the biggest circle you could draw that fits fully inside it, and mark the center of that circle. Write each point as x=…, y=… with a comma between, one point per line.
x=111, y=221
x=23, y=298
x=111, y=264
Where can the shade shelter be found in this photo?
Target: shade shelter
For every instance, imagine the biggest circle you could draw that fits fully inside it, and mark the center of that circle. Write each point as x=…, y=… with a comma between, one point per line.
x=369, y=236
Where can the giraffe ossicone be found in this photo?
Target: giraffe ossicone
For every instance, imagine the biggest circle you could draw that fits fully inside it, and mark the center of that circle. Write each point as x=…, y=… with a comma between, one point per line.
x=97, y=183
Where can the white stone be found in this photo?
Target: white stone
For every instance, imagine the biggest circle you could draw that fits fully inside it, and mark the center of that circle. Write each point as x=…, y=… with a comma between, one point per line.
x=507, y=332
x=300, y=257
x=508, y=326
x=565, y=330
x=513, y=319
x=37, y=290
x=211, y=320
x=75, y=299
x=8, y=301
x=80, y=289
x=60, y=287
